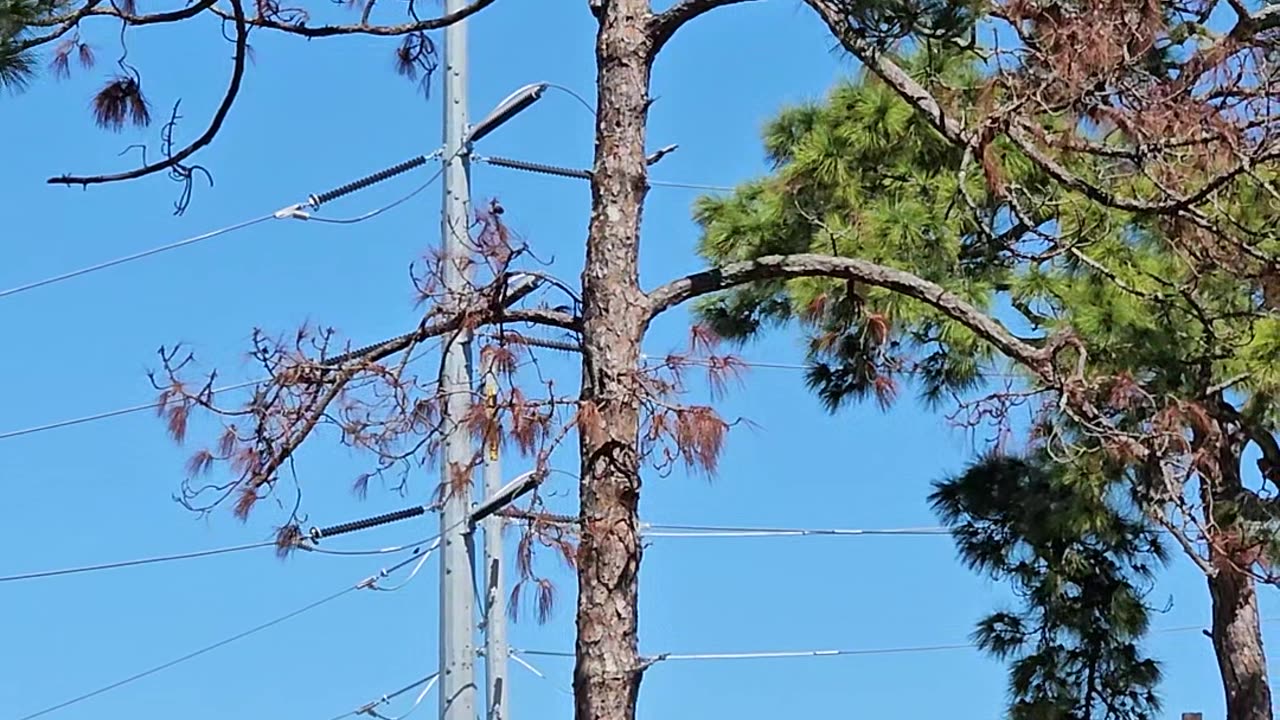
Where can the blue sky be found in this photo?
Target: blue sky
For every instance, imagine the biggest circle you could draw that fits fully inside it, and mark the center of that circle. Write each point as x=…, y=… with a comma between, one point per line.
x=313, y=116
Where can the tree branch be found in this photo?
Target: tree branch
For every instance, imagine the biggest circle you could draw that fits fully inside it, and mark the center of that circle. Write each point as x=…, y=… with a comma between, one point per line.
x=1026, y=143
x=426, y=331
x=781, y=267
x=665, y=24
x=92, y=8
x=364, y=28
x=871, y=56
x=237, y=75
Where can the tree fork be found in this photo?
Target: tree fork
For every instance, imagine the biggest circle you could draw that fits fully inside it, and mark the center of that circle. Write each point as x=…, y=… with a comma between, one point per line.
x=615, y=315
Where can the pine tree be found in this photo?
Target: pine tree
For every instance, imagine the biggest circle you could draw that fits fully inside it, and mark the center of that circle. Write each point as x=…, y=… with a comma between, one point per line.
x=1076, y=556
x=1113, y=181
x=1157, y=324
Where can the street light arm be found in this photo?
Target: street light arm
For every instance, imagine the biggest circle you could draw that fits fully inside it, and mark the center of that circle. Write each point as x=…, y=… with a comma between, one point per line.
x=507, y=494
x=511, y=106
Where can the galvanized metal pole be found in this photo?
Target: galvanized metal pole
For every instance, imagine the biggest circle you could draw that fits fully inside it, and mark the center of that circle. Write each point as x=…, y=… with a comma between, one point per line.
x=496, y=650
x=457, y=600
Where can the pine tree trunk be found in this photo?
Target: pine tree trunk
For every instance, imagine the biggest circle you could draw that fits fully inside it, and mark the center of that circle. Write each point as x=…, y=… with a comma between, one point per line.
x=607, y=674
x=1237, y=626
x=1237, y=640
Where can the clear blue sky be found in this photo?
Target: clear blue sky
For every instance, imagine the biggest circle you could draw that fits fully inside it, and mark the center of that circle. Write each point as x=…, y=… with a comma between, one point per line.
x=313, y=116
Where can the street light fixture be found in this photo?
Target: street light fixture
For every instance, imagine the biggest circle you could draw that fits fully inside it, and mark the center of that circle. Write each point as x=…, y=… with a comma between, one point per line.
x=506, y=495
x=511, y=106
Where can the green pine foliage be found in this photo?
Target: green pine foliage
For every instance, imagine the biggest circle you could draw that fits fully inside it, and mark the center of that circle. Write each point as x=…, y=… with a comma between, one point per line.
x=19, y=21
x=1080, y=563
x=860, y=174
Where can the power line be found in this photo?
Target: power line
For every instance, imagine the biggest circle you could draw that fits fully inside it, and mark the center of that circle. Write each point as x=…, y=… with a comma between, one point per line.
x=306, y=547
x=575, y=95
x=363, y=584
x=139, y=255
x=377, y=551
x=416, y=703
x=134, y=563
x=191, y=655
x=289, y=211
x=413, y=573
x=843, y=652
x=721, y=531
x=647, y=529
x=152, y=405
x=113, y=413
x=58, y=424
x=798, y=366
x=690, y=186
x=369, y=706
x=581, y=174
x=529, y=666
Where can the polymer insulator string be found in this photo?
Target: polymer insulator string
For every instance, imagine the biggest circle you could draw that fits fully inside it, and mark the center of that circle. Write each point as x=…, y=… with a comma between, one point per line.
x=315, y=201
x=316, y=534
x=537, y=167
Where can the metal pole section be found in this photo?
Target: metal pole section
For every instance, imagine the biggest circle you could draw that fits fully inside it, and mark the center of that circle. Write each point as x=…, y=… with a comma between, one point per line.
x=457, y=600
x=496, y=650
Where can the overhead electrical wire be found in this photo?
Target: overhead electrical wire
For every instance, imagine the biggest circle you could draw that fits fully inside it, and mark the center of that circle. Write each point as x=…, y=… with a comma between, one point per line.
x=690, y=186
x=308, y=544
x=581, y=174
x=303, y=547
x=416, y=703
x=529, y=666
x=135, y=563
x=412, y=573
x=575, y=95
x=650, y=530
x=718, y=531
x=191, y=655
x=293, y=211
x=842, y=652
x=58, y=424
x=369, y=706
x=138, y=255
x=307, y=547
x=797, y=366
x=367, y=582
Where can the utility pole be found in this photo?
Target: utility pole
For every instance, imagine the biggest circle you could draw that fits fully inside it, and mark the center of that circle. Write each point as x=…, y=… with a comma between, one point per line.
x=457, y=602
x=495, y=606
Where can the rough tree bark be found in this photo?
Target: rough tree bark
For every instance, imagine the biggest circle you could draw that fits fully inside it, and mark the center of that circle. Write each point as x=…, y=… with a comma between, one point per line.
x=1237, y=641
x=615, y=315
x=1237, y=624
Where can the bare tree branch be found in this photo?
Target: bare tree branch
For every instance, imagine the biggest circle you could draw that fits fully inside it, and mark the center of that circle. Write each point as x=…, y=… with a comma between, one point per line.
x=95, y=8
x=1024, y=142
x=665, y=24
x=363, y=28
x=781, y=267
x=875, y=61
x=233, y=89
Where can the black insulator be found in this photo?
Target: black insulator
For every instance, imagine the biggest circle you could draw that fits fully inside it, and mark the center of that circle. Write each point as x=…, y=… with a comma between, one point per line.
x=359, y=352
x=317, y=200
x=318, y=533
x=538, y=167
x=564, y=345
